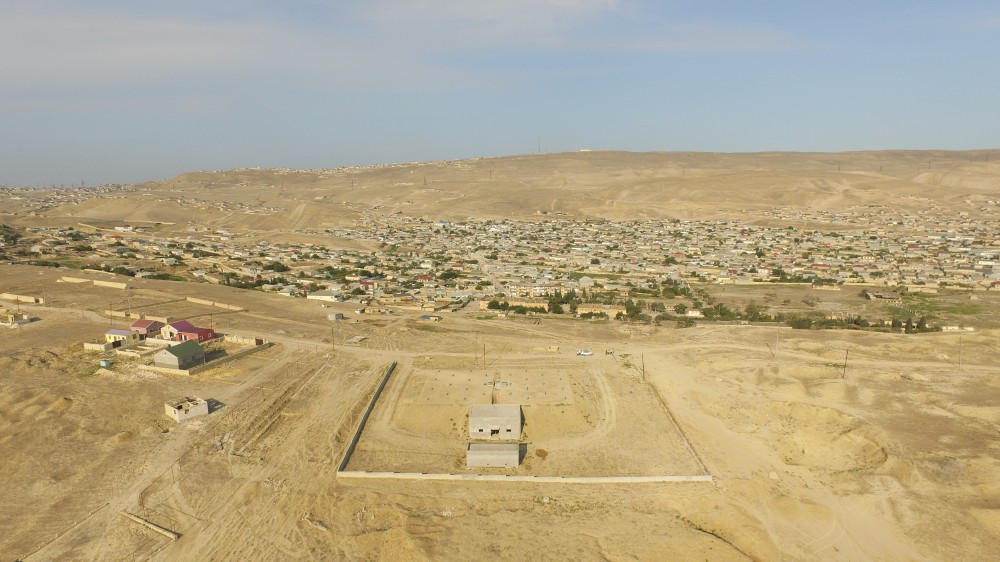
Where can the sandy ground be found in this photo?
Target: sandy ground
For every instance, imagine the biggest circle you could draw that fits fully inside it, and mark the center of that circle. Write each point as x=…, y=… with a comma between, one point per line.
x=896, y=458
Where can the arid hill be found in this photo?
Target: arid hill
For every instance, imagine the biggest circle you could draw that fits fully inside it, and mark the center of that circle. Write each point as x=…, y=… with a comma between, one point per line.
x=608, y=185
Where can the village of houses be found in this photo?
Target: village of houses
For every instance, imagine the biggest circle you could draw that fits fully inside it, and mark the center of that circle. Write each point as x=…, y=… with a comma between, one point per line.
x=529, y=265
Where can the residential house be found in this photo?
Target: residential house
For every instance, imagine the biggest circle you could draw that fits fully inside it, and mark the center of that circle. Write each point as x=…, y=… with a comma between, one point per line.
x=147, y=328
x=122, y=338
x=181, y=356
x=183, y=330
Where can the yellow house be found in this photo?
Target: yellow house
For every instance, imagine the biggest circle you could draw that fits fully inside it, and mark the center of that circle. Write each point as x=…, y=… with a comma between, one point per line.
x=126, y=337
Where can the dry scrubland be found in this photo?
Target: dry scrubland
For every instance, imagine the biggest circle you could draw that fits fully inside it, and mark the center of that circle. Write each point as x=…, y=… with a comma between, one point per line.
x=896, y=457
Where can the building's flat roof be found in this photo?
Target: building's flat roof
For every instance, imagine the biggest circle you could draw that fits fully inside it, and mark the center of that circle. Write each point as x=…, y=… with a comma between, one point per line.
x=495, y=411
x=494, y=447
x=190, y=400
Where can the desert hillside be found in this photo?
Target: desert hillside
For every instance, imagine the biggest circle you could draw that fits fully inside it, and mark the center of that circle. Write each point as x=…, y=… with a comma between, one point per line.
x=596, y=185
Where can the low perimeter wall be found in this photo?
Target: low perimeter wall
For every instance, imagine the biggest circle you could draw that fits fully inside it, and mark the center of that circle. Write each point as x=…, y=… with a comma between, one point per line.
x=138, y=316
x=216, y=304
x=96, y=282
x=22, y=298
x=216, y=363
x=517, y=478
x=364, y=419
x=243, y=340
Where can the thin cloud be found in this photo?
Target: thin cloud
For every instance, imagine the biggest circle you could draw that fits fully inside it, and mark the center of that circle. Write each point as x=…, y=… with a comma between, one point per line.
x=554, y=25
x=374, y=45
x=707, y=37
x=84, y=49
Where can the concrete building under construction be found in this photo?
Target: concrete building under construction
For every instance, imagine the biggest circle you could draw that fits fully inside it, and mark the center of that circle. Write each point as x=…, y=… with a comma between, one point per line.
x=492, y=455
x=495, y=421
x=186, y=408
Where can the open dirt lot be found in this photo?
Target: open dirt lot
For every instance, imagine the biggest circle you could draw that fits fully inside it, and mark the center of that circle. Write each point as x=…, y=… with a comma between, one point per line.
x=895, y=458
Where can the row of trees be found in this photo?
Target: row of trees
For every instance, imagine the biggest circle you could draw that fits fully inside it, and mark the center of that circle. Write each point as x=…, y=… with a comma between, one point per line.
x=908, y=326
x=517, y=309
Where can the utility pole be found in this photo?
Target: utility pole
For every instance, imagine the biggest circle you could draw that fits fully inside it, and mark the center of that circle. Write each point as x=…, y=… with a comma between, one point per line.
x=776, y=360
x=843, y=375
x=959, y=353
x=333, y=339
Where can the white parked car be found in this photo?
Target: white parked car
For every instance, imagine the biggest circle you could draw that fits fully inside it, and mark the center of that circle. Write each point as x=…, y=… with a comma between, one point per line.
x=585, y=352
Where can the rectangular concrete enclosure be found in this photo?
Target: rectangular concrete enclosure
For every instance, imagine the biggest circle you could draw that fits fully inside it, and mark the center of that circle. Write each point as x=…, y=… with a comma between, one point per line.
x=495, y=421
x=189, y=407
x=492, y=455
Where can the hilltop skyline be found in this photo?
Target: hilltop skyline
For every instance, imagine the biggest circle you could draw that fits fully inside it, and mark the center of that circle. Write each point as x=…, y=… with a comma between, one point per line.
x=117, y=92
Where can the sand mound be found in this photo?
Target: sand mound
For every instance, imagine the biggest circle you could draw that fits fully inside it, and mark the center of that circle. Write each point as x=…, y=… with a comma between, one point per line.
x=825, y=439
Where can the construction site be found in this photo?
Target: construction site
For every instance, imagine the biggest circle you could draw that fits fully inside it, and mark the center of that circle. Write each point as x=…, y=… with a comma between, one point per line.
x=581, y=418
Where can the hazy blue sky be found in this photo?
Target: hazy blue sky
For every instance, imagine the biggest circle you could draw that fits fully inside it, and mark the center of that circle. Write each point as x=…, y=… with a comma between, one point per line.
x=128, y=90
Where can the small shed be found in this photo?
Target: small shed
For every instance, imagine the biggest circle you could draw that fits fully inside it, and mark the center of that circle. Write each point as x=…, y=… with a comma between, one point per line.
x=181, y=356
x=495, y=421
x=189, y=407
x=492, y=455
x=14, y=318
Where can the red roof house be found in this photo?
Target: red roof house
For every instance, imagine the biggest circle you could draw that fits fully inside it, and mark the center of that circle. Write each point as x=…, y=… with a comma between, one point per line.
x=146, y=328
x=182, y=330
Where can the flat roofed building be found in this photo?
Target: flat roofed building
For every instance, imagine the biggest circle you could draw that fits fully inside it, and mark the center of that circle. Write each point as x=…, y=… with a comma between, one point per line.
x=492, y=455
x=495, y=421
x=189, y=407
